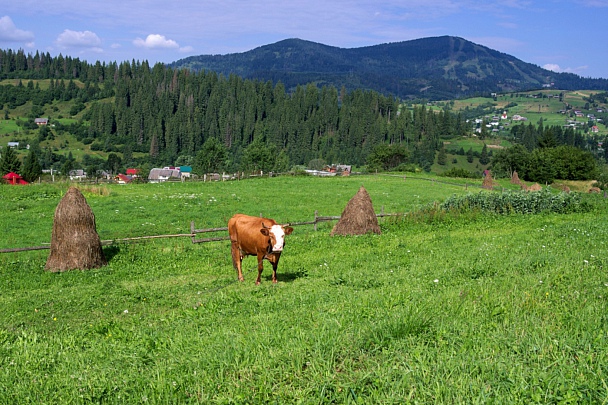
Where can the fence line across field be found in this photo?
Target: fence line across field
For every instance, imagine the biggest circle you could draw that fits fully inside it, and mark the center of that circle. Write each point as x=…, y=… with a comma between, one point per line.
x=193, y=233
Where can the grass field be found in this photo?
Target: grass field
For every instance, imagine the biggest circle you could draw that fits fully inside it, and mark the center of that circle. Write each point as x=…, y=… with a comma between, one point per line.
x=463, y=308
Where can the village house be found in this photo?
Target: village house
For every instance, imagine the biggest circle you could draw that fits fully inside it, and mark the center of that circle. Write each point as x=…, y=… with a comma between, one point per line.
x=158, y=175
x=185, y=172
x=78, y=174
x=133, y=173
x=123, y=178
x=41, y=121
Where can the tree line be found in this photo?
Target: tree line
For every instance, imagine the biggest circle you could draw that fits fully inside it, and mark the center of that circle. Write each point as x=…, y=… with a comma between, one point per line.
x=144, y=115
x=177, y=116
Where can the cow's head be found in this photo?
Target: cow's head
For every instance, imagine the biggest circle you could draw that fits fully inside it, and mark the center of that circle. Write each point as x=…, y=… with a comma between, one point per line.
x=276, y=236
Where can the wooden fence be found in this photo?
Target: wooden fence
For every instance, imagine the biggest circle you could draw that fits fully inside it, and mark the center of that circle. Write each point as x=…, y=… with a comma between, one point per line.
x=194, y=232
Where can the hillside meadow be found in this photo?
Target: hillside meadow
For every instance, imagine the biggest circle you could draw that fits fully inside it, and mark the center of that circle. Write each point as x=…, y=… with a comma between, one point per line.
x=442, y=307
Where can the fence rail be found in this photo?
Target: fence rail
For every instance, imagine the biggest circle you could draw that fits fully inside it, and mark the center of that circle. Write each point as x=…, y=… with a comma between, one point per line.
x=193, y=233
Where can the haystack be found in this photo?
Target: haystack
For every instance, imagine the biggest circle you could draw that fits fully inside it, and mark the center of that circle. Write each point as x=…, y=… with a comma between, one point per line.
x=533, y=187
x=488, y=183
x=75, y=243
x=515, y=178
x=358, y=217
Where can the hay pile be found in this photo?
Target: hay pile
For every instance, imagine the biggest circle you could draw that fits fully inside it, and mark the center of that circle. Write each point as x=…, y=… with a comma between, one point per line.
x=515, y=178
x=358, y=217
x=75, y=243
x=488, y=182
x=533, y=187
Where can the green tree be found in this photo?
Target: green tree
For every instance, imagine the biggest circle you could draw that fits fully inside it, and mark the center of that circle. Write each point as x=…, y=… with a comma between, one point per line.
x=386, y=157
x=281, y=164
x=9, y=162
x=442, y=157
x=68, y=165
x=506, y=161
x=317, y=164
x=572, y=163
x=484, y=159
x=211, y=158
x=470, y=155
x=257, y=156
x=541, y=167
x=113, y=163
x=31, y=167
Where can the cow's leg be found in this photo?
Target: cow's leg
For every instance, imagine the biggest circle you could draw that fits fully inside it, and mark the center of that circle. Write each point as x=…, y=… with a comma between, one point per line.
x=260, y=267
x=275, y=264
x=237, y=260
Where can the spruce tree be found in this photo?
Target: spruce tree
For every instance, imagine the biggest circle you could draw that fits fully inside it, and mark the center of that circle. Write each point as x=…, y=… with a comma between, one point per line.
x=31, y=167
x=9, y=162
x=484, y=159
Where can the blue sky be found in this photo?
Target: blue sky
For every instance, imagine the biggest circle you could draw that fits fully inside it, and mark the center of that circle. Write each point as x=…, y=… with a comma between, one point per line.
x=564, y=36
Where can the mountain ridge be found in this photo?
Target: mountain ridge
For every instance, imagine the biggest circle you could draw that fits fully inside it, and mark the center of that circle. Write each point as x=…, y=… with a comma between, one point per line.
x=442, y=67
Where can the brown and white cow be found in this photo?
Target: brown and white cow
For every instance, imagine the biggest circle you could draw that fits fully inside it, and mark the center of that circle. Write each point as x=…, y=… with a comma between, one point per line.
x=254, y=236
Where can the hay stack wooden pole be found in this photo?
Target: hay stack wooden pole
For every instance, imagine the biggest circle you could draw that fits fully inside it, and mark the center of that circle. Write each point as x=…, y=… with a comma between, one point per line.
x=75, y=243
x=358, y=217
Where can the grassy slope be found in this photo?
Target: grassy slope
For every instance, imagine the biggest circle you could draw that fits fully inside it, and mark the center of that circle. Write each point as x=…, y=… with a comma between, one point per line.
x=461, y=310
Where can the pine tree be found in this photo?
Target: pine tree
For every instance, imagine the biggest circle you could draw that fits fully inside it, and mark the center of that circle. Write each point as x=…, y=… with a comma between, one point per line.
x=442, y=157
x=484, y=159
x=31, y=167
x=470, y=155
x=9, y=162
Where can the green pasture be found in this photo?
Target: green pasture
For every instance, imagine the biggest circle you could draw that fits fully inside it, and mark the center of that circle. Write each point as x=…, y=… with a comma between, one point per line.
x=440, y=308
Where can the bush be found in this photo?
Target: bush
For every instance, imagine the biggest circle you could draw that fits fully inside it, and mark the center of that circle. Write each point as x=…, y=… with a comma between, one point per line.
x=407, y=167
x=518, y=202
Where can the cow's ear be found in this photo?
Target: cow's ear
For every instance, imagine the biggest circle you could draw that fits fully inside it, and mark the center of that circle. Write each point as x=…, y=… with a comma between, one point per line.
x=288, y=230
x=265, y=231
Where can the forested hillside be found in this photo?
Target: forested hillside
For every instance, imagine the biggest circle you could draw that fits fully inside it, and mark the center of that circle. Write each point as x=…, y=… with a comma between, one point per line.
x=114, y=116
x=164, y=116
x=436, y=68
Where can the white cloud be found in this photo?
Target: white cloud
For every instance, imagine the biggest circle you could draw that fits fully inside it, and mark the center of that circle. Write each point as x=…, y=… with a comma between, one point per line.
x=186, y=49
x=10, y=33
x=557, y=69
x=155, y=41
x=552, y=67
x=80, y=39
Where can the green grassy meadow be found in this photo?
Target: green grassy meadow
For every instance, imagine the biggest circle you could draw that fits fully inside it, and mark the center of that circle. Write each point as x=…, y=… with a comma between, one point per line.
x=440, y=308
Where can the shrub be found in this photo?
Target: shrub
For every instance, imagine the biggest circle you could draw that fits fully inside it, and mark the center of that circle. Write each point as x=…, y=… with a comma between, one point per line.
x=518, y=202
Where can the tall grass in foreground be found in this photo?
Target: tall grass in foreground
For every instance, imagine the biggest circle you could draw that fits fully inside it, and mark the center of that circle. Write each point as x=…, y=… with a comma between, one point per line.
x=457, y=308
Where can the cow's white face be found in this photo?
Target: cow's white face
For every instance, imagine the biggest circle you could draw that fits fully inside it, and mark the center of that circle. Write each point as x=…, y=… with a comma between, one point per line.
x=277, y=237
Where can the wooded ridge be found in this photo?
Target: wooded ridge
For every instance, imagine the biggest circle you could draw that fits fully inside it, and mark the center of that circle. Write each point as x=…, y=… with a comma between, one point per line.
x=443, y=67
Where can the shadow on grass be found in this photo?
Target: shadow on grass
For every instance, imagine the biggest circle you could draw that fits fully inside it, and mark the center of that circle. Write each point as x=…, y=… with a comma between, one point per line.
x=110, y=251
x=289, y=277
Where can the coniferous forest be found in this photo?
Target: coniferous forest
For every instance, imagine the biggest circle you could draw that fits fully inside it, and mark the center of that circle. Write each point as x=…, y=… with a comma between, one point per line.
x=172, y=115
x=156, y=116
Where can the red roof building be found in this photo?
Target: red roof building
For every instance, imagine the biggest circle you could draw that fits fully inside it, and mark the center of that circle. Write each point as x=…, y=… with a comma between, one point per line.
x=14, y=179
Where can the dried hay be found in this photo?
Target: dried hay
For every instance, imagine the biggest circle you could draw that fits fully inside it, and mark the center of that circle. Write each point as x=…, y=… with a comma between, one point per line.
x=75, y=243
x=488, y=182
x=515, y=178
x=358, y=217
x=533, y=187
x=595, y=190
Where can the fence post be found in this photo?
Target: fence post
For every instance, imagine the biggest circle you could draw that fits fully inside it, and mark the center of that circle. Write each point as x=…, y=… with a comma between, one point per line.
x=192, y=230
x=316, y=215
